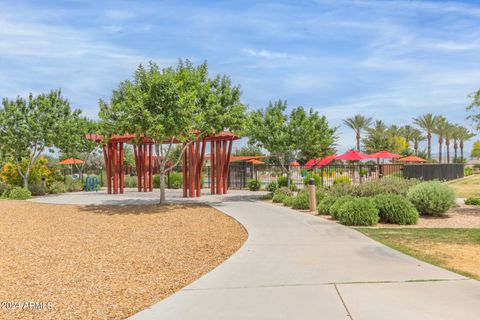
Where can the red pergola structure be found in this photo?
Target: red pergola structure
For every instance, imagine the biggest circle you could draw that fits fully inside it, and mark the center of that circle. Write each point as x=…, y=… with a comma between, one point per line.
x=193, y=160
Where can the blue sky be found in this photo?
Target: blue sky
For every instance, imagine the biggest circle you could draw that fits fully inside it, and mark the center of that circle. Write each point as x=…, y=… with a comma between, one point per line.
x=390, y=60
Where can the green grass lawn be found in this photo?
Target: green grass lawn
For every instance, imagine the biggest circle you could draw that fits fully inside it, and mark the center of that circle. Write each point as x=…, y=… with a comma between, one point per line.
x=455, y=249
x=467, y=187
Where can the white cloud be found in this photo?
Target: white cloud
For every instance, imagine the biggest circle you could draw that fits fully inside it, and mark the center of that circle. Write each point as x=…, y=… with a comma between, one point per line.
x=268, y=54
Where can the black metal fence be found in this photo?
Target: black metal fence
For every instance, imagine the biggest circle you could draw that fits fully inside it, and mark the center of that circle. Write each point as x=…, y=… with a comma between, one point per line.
x=434, y=171
x=241, y=172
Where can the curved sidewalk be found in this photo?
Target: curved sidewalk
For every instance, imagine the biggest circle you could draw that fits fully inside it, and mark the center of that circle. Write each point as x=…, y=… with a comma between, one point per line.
x=296, y=266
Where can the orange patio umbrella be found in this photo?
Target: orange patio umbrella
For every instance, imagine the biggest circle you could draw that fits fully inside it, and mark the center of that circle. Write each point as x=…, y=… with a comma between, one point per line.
x=412, y=159
x=71, y=162
x=255, y=161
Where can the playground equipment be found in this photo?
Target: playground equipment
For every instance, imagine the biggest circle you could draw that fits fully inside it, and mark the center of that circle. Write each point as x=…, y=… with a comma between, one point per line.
x=91, y=183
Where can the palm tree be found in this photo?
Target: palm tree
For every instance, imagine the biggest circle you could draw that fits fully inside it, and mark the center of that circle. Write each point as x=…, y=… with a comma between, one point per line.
x=439, y=129
x=463, y=135
x=455, y=135
x=406, y=132
x=427, y=123
x=417, y=137
x=358, y=123
x=449, y=131
x=377, y=138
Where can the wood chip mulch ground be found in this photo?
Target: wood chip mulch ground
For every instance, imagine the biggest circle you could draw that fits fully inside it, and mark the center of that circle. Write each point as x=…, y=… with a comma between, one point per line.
x=105, y=262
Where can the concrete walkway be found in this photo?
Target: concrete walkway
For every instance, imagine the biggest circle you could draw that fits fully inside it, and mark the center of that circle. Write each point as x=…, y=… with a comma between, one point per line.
x=296, y=266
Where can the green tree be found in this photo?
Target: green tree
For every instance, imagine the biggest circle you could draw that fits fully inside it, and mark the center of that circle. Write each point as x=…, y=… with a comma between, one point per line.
x=170, y=104
x=463, y=135
x=30, y=126
x=358, y=123
x=476, y=150
x=473, y=109
x=249, y=150
x=286, y=137
x=417, y=137
x=74, y=144
x=378, y=138
x=407, y=133
x=427, y=122
x=441, y=126
x=449, y=132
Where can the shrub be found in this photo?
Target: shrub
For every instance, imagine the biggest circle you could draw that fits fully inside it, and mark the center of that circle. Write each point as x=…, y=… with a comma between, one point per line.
x=324, y=205
x=467, y=171
x=288, y=201
x=175, y=180
x=341, y=189
x=472, y=201
x=397, y=209
x=73, y=184
x=18, y=193
x=267, y=196
x=132, y=181
x=272, y=186
x=282, y=181
x=301, y=201
x=278, y=198
x=36, y=189
x=432, y=198
x=379, y=186
x=57, y=187
x=293, y=186
x=342, y=180
x=358, y=212
x=283, y=191
x=4, y=188
x=254, y=184
x=338, y=203
x=316, y=177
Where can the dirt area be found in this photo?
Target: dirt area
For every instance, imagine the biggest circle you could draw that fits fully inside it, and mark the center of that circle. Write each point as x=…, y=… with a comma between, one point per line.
x=105, y=262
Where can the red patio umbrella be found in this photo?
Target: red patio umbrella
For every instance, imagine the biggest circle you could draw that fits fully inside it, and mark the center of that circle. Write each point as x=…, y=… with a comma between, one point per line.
x=411, y=159
x=353, y=155
x=384, y=155
x=310, y=163
x=295, y=164
x=326, y=160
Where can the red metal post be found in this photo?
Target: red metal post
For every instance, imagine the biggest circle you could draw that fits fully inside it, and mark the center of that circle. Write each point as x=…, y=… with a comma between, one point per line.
x=145, y=173
x=115, y=168
x=191, y=171
x=122, y=169
x=212, y=167
x=150, y=166
x=227, y=165
x=219, y=168
x=107, y=167
x=200, y=169
x=137, y=166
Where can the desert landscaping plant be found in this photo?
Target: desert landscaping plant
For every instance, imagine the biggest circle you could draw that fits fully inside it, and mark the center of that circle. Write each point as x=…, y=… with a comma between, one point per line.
x=338, y=203
x=472, y=201
x=396, y=209
x=324, y=205
x=254, y=184
x=19, y=193
x=432, y=198
x=358, y=212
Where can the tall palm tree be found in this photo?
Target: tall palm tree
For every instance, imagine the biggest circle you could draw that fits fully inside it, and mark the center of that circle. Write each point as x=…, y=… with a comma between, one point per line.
x=417, y=137
x=463, y=135
x=439, y=129
x=406, y=132
x=455, y=135
x=358, y=123
x=449, y=131
x=377, y=138
x=427, y=123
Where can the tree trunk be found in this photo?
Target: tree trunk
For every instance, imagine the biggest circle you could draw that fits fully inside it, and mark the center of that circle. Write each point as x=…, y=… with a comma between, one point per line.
x=429, y=147
x=358, y=140
x=25, y=182
x=461, y=151
x=447, y=144
x=416, y=148
x=162, y=183
x=440, y=152
x=455, y=152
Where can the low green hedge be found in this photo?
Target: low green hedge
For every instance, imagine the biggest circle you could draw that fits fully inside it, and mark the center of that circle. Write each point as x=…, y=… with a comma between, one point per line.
x=272, y=186
x=396, y=209
x=254, y=184
x=284, y=191
x=278, y=197
x=472, y=201
x=288, y=201
x=18, y=193
x=301, y=201
x=358, y=212
x=338, y=203
x=57, y=187
x=324, y=205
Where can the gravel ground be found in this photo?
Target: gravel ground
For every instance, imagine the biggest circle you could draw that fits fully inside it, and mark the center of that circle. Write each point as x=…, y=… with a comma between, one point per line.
x=105, y=262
